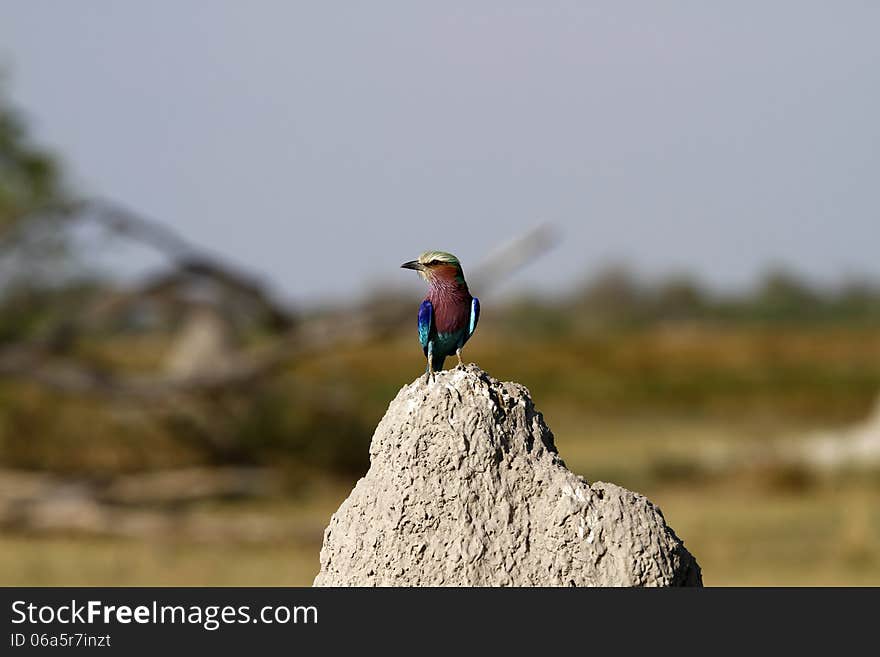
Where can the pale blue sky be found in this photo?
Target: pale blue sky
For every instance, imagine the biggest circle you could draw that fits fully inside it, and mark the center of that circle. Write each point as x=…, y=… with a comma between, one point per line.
x=326, y=143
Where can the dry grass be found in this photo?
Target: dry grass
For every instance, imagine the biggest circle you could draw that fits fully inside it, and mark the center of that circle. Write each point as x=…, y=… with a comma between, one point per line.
x=95, y=562
x=745, y=527
x=668, y=412
x=744, y=537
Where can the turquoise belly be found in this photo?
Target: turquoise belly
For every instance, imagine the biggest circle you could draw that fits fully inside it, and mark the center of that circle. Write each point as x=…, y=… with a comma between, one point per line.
x=447, y=343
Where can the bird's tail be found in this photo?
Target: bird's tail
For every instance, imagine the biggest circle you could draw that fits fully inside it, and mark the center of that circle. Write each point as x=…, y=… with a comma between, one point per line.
x=437, y=362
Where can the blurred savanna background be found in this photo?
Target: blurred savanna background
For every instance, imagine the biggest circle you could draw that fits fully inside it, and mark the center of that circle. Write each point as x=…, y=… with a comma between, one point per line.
x=670, y=216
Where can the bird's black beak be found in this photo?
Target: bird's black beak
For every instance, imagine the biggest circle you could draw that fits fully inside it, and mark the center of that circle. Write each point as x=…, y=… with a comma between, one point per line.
x=413, y=264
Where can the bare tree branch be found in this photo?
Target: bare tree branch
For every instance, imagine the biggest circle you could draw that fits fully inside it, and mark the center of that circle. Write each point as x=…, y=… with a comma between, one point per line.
x=35, y=363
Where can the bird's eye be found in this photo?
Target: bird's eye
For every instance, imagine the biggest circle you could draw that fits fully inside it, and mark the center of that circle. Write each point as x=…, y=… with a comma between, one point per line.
x=433, y=263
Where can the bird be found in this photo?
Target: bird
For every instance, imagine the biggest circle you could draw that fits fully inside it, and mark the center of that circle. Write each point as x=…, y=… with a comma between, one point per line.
x=449, y=314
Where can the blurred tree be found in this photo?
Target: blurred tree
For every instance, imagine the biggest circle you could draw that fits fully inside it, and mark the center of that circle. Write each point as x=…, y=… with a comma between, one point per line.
x=613, y=296
x=856, y=299
x=30, y=177
x=783, y=295
x=30, y=182
x=680, y=297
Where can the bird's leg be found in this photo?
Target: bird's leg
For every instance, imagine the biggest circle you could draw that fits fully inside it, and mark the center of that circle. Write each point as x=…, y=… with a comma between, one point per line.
x=458, y=353
x=429, y=370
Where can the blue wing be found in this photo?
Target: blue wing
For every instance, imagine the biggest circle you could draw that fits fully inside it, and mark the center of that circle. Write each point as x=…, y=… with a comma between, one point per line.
x=475, y=316
x=426, y=323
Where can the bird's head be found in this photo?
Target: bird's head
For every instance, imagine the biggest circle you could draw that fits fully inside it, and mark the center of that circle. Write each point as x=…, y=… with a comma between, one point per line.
x=435, y=266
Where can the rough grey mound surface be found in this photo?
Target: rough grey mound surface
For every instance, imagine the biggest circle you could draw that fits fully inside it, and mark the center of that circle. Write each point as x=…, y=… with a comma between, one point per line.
x=465, y=488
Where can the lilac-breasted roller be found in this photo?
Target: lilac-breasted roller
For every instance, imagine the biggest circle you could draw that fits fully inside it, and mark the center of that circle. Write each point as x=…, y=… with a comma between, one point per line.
x=449, y=314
